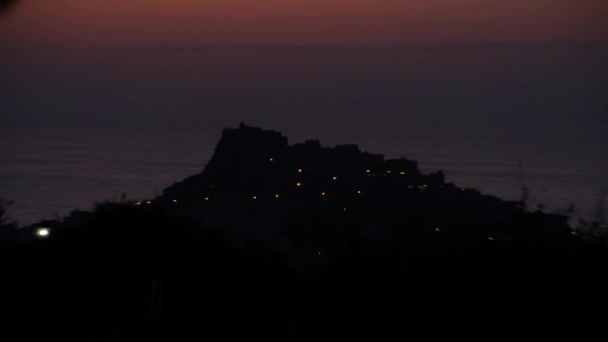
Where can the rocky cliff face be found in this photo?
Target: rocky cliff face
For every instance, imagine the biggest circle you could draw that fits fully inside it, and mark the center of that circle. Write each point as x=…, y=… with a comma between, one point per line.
x=258, y=186
x=251, y=160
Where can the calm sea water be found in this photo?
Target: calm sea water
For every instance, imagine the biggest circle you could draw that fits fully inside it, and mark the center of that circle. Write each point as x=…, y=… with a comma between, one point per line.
x=49, y=171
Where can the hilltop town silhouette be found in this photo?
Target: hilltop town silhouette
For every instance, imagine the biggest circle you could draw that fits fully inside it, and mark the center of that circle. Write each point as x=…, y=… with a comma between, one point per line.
x=273, y=241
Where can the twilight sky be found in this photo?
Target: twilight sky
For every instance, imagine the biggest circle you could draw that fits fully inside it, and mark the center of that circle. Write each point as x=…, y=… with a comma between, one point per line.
x=125, y=22
x=287, y=63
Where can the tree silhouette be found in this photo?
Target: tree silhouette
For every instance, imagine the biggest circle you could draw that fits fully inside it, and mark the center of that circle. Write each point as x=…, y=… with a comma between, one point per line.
x=4, y=220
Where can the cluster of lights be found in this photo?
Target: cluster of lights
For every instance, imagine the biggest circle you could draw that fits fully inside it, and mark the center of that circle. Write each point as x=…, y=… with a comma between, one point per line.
x=323, y=194
x=45, y=232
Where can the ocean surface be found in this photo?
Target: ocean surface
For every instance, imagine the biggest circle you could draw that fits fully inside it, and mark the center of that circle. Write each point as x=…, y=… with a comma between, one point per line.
x=48, y=170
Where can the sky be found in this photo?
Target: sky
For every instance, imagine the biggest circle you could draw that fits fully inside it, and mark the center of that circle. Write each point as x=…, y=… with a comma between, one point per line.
x=429, y=63
x=76, y=23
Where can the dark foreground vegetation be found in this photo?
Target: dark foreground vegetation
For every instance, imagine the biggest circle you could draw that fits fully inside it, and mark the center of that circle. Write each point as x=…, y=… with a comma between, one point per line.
x=302, y=243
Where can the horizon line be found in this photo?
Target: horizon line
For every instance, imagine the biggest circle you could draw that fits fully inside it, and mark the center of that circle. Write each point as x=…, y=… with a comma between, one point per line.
x=366, y=47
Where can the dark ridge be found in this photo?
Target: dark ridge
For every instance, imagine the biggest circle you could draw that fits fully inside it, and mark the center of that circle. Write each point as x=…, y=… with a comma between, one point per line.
x=279, y=242
x=6, y=5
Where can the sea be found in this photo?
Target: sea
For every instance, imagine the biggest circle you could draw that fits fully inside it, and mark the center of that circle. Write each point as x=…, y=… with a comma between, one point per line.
x=49, y=170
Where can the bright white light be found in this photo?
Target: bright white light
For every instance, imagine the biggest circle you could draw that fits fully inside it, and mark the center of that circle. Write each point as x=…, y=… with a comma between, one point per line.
x=334, y=178
x=42, y=232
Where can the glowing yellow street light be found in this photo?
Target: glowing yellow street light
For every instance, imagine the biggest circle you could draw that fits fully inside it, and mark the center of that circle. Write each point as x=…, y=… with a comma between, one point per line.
x=334, y=178
x=298, y=184
x=277, y=195
x=299, y=170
